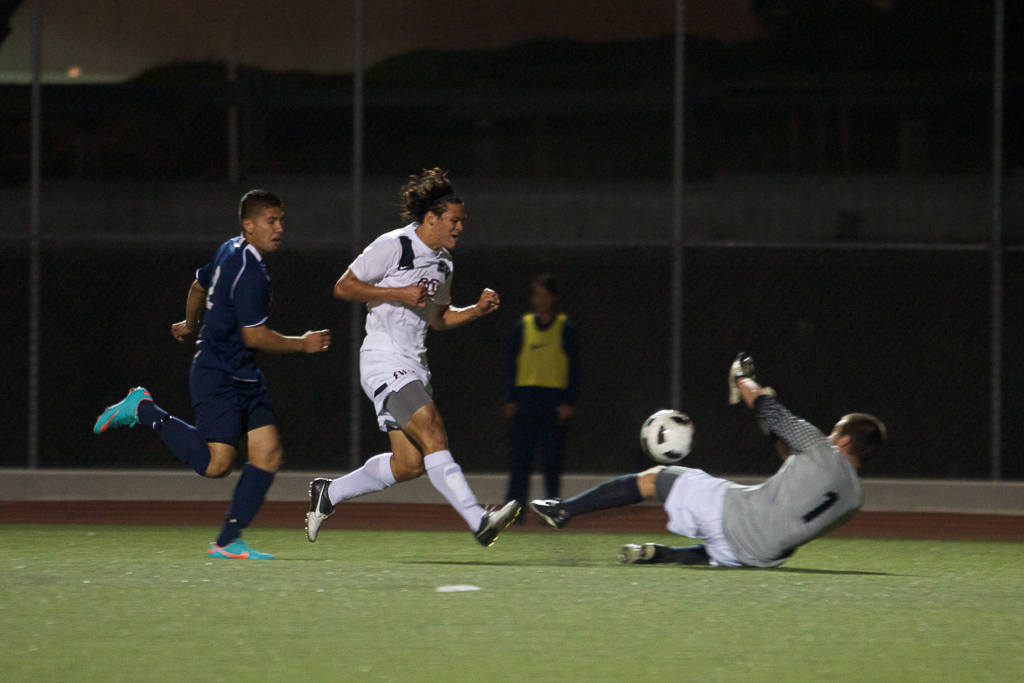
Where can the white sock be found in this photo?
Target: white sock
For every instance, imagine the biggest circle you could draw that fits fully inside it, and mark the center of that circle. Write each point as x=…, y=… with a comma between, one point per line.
x=374, y=475
x=446, y=476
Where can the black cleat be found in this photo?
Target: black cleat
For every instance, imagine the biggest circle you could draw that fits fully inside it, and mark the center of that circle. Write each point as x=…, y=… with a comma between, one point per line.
x=495, y=521
x=320, y=507
x=656, y=553
x=552, y=512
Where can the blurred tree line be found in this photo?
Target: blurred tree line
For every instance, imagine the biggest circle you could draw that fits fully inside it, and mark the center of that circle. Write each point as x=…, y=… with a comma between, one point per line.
x=833, y=86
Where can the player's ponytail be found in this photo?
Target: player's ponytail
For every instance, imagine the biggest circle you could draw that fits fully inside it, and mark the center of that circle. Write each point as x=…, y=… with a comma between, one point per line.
x=428, y=192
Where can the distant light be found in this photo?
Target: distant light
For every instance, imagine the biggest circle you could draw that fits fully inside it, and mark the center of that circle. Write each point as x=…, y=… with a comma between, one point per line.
x=74, y=72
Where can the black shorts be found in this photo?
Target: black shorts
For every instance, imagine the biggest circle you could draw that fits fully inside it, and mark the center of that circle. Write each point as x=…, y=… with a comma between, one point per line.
x=226, y=407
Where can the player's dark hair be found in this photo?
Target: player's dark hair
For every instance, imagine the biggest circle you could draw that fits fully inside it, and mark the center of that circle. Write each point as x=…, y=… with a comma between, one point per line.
x=866, y=432
x=428, y=192
x=254, y=201
x=545, y=280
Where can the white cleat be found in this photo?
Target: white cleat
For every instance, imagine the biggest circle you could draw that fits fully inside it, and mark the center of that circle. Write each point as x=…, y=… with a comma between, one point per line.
x=495, y=521
x=320, y=507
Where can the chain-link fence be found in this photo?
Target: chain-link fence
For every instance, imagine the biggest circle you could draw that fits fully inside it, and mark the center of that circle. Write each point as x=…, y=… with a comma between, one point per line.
x=837, y=213
x=900, y=333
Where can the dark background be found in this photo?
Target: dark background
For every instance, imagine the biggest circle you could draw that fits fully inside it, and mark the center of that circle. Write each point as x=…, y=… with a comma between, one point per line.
x=837, y=88
x=841, y=86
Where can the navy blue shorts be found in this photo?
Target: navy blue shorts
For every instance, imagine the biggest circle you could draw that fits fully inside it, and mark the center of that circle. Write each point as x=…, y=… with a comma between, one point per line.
x=226, y=407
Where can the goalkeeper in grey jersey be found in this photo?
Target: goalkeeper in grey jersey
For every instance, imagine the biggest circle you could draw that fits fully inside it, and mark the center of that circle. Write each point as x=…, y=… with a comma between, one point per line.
x=815, y=490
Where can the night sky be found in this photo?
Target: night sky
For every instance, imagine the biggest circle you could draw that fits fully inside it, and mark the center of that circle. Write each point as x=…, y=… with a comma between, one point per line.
x=116, y=39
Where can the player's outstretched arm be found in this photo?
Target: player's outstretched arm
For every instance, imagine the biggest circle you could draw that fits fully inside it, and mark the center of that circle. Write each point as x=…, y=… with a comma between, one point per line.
x=447, y=317
x=789, y=433
x=750, y=390
x=795, y=434
x=263, y=338
x=351, y=288
x=194, y=307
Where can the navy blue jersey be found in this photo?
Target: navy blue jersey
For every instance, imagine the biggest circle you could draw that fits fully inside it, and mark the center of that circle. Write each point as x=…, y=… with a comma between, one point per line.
x=237, y=295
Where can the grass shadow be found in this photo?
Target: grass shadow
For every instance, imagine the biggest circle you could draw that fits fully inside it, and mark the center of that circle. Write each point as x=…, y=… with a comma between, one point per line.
x=789, y=570
x=526, y=563
x=838, y=572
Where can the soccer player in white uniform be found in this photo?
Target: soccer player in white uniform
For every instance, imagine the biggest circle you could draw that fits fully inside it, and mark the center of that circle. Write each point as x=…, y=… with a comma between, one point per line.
x=815, y=490
x=404, y=277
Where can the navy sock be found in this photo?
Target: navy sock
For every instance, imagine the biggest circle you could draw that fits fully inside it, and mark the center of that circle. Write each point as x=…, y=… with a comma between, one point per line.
x=690, y=554
x=183, y=439
x=249, y=494
x=614, y=493
x=151, y=415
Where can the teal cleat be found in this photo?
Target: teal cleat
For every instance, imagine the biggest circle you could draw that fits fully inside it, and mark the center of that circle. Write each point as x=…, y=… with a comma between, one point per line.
x=237, y=550
x=123, y=414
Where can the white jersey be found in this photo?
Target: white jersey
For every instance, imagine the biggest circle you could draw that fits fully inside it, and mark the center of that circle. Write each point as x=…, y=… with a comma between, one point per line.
x=398, y=259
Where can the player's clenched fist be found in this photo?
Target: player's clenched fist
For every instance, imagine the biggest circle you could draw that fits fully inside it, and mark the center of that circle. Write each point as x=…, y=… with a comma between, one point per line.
x=488, y=302
x=181, y=330
x=413, y=295
x=316, y=342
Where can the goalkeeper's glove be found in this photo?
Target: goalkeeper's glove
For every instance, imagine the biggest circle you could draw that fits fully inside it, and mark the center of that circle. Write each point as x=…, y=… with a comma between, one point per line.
x=743, y=366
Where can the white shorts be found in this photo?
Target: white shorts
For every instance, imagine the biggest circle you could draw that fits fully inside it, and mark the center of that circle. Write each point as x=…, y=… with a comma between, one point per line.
x=382, y=374
x=694, y=507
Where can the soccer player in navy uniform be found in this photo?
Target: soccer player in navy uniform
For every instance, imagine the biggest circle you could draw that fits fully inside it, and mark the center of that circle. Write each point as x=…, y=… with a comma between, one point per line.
x=230, y=298
x=541, y=385
x=816, y=490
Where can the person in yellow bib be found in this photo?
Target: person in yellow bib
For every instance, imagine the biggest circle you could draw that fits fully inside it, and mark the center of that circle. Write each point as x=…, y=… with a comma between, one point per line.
x=541, y=385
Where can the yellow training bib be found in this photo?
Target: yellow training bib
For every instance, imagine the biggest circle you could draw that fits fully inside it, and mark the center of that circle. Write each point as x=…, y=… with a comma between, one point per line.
x=542, y=361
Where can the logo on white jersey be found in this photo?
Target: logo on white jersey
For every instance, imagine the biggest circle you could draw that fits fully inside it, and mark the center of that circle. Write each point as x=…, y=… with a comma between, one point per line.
x=430, y=285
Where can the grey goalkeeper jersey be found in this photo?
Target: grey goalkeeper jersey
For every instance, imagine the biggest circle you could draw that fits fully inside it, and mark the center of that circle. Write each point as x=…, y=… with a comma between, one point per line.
x=814, y=491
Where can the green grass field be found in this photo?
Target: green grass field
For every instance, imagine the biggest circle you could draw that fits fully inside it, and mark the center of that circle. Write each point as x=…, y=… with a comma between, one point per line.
x=119, y=603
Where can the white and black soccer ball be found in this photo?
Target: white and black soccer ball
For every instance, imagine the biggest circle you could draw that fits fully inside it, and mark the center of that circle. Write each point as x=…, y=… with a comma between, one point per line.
x=667, y=436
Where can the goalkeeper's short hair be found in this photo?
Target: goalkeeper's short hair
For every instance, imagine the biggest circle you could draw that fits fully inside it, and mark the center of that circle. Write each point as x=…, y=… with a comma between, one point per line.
x=867, y=434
